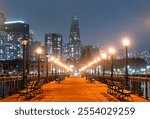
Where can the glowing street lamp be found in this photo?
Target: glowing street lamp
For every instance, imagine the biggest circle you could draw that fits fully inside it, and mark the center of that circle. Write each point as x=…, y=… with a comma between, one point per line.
x=126, y=44
x=39, y=51
x=112, y=51
x=104, y=56
x=24, y=43
x=126, y=41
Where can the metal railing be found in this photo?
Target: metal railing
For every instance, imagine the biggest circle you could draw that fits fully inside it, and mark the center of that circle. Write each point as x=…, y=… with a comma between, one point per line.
x=11, y=85
x=139, y=85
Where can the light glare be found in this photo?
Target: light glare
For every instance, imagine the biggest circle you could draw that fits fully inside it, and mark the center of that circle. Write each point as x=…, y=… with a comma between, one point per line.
x=112, y=50
x=39, y=50
x=126, y=41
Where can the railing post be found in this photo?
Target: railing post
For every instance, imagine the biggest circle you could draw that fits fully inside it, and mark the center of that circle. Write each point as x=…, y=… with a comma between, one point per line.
x=3, y=88
x=146, y=89
x=10, y=86
x=15, y=83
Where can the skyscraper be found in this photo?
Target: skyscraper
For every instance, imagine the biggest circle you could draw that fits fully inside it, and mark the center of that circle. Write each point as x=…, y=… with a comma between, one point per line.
x=74, y=40
x=53, y=43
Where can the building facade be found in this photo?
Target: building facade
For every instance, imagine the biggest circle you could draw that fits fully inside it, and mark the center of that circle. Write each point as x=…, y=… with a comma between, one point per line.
x=65, y=51
x=2, y=18
x=34, y=46
x=11, y=35
x=143, y=55
x=53, y=44
x=74, y=40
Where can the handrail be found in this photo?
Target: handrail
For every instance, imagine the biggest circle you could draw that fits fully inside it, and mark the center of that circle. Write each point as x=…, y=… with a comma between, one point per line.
x=139, y=85
x=12, y=84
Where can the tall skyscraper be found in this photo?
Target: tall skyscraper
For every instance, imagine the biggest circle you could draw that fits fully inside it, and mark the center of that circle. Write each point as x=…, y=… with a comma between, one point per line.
x=53, y=43
x=75, y=43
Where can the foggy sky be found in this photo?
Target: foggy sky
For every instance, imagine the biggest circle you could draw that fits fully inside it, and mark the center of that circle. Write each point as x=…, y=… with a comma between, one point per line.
x=102, y=22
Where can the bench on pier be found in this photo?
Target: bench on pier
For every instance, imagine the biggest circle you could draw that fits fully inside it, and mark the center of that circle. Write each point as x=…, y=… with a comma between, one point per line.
x=119, y=90
x=59, y=79
x=32, y=88
x=90, y=79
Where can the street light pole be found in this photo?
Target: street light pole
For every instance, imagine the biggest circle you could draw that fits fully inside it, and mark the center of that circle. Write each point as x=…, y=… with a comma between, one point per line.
x=95, y=70
x=112, y=65
x=98, y=70
x=52, y=59
x=39, y=51
x=112, y=51
x=47, y=56
x=103, y=68
x=52, y=68
x=126, y=64
x=24, y=43
x=104, y=58
x=126, y=44
x=38, y=66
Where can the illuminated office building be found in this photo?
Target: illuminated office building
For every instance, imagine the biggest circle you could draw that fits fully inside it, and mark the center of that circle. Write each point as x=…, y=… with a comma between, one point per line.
x=53, y=43
x=34, y=46
x=74, y=40
x=65, y=51
x=11, y=35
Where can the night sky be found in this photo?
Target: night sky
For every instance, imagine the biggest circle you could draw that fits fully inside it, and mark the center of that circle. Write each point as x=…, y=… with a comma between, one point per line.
x=102, y=22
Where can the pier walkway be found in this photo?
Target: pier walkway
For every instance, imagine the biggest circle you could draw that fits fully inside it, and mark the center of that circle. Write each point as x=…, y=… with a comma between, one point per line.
x=72, y=89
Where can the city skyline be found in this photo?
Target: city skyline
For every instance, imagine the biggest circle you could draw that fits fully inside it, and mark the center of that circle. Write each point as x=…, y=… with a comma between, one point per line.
x=93, y=51
x=101, y=22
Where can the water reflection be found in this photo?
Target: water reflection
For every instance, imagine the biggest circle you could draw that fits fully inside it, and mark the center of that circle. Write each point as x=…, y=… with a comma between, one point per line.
x=139, y=87
x=143, y=88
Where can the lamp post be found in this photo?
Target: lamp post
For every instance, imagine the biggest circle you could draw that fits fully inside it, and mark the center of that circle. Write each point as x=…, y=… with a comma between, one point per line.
x=47, y=56
x=104, y=56
x=112, y=51
x=95, y=62
x=39, y=51
x=98, y=59
x=98, y=70
x=24, y=43
x=126, y=44
x=52, y=59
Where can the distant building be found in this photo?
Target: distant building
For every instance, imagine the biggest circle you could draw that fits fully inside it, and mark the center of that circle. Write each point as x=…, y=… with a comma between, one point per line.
x=143, y=55
x=33, y=47
x=17, y=27
x=74, y=40
x=53, y=44
x=1, y=67
x=65, y=51
x=33, y=68
x=2, y=18
x=120, y=54
x=94, y=51
x=146, y=56
x=11, y=35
